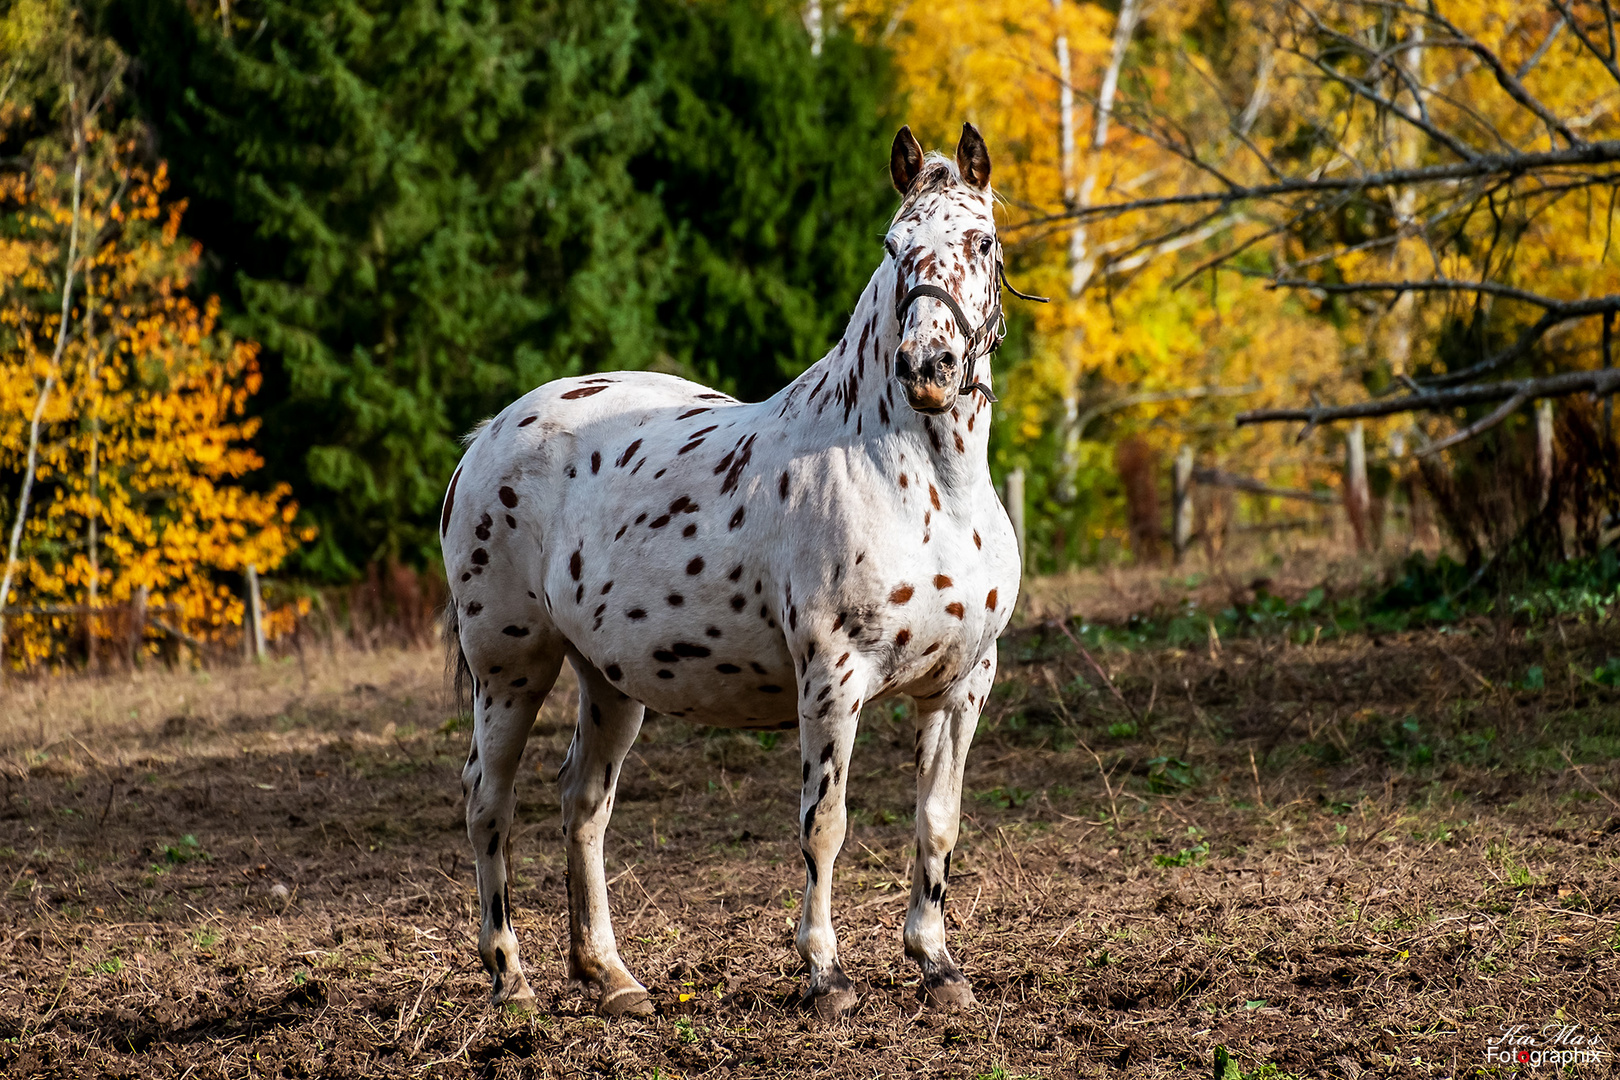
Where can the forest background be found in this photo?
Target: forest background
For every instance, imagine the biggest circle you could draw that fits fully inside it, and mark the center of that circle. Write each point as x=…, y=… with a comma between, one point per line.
x=263, y=262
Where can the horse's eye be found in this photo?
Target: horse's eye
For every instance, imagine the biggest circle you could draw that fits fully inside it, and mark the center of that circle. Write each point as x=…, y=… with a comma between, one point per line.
x=891, y=247
x=985, y=245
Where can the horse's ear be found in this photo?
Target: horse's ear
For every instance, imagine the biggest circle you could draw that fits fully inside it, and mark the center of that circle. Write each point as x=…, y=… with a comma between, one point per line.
x=973, y=157
x=905, y=159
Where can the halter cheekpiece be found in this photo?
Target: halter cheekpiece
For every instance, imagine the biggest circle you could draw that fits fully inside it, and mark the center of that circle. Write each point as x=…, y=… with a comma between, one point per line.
x=982, y=340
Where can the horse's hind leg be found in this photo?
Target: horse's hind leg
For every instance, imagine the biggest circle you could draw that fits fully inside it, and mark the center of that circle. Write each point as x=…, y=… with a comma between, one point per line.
x=507, y=694
x=607, y=728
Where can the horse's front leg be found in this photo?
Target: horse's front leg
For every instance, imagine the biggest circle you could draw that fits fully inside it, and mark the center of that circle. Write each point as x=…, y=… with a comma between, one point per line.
x=945, y=729
x=606, y=729
x=830, y=699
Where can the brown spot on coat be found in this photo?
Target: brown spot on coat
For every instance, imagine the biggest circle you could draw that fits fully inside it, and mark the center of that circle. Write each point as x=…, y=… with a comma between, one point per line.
x=990, y=601
x=955, y=609
x=737, y=467
x=899, y=595
x=942, y=582
x=509, y=497
x=583, y=392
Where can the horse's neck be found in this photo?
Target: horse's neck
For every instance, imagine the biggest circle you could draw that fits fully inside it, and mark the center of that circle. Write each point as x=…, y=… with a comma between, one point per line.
x=850, y=395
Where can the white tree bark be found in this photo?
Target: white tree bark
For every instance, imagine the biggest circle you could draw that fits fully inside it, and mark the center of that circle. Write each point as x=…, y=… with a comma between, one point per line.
x=68, y=274
x=812, y=23
x=1077, y=193
x=1181, y=524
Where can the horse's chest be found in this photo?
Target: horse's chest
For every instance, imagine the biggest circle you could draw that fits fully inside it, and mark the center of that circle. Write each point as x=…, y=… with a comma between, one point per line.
x=926, y=595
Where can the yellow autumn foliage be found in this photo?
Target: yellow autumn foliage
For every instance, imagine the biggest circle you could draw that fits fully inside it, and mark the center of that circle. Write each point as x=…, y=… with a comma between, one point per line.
x=144, y=438
x=1140, y=311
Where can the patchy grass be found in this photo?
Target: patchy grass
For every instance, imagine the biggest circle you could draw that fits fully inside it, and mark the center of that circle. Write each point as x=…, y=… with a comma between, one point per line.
x=1354, y=858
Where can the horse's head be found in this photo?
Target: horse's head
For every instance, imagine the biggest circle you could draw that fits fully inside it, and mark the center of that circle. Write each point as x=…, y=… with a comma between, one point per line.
x=947, y=268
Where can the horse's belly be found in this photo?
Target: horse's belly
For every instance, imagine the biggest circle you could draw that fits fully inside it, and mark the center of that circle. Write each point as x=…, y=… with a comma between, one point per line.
x=700, y=642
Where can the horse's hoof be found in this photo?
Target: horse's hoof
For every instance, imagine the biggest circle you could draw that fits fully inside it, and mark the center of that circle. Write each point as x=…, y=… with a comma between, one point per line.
x=832, y=1002
x=516, y=997
x=626, y=1001
x=948, y=995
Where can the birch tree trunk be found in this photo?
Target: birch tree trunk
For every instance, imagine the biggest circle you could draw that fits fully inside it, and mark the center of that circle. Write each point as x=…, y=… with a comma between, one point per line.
x=1077, y=193
x=1181, y=521
x=1357, y=496
x=812, y=24
x=69, y=271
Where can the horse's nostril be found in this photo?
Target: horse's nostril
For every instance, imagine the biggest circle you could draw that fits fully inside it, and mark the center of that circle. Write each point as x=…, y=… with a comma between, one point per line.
x=902, y=363
x=947, y=361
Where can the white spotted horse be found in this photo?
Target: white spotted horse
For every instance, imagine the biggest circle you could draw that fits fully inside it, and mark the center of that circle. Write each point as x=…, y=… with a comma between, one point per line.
x=769, y=565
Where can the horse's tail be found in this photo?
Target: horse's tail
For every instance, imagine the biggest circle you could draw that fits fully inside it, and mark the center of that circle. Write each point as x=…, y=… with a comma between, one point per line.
x=456, y=672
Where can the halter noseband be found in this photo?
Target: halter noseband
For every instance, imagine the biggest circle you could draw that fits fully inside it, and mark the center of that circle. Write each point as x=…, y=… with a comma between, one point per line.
x=981, y=341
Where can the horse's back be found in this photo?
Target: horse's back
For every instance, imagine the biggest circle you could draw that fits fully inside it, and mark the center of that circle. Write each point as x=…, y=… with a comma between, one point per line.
x=595, y=512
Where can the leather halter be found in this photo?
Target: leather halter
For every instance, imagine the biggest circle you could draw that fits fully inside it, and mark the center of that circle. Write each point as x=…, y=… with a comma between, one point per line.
x=982, y=340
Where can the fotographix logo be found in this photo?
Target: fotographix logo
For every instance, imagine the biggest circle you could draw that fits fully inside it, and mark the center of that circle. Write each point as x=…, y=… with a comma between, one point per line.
x=1553, y=1044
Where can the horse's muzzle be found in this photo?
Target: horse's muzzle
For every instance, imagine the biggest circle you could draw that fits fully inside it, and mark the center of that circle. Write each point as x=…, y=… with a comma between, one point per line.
x=930, y=383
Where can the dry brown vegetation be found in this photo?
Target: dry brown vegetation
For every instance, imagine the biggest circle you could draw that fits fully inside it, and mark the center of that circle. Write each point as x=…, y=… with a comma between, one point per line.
x=1353, y=859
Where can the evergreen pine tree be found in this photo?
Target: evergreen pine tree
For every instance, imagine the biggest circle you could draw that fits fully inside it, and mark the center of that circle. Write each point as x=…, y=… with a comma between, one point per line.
x=421, y=210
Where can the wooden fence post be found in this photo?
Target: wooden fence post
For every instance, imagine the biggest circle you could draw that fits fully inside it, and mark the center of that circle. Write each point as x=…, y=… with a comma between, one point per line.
x=1544, y=452
x=1357, y=499
x=255, y=614
x=1181, y=526
x=1015, y=511
x=137, y=625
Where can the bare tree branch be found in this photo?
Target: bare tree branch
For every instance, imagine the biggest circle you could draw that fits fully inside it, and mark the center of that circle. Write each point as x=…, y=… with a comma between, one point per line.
x=1222, y=478
x=1541, y=50
x=1590, y=306
x=1591, y=46
x=1605, y=152
x=1154, y=397
x=1605, y=381
x=1478, y=427
x=1504, y=78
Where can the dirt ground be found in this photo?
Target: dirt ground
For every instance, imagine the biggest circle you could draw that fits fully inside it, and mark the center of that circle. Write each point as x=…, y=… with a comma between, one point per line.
x=1356, y=858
